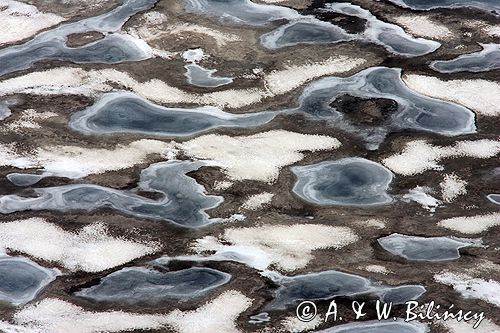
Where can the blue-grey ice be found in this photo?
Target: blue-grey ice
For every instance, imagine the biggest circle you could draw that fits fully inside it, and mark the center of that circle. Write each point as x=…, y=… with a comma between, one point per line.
x=140, y=285
x=495, y=198
x=183, y=201
x=309, y=30
x=487, y=5
x=115, y=47
x=483, y=61
x=414, y=111
x=328, y=285
x=123, y=112
x=240, y=12
x=349, y=182
x=21, y=279
x=415, y=248
x=202, y=77
x=23, y=179
x=398, y=326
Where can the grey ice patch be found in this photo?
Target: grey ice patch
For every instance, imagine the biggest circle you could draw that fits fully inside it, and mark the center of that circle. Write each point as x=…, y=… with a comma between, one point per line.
x=123, y=112
x=349, y=181
x=21, y=279
x=495, y=198
x=331, y=284
x=115, y=47
x=183, y=200
x=485, y=60
x=487, y=5
x=398, y=326
x=202, y=77
x=139, y=285
x=24, y=179
x=415, y=248
x=414, y=111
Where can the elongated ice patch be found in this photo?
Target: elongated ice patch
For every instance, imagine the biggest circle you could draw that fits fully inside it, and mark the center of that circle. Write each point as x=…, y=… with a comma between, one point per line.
x=486, y=60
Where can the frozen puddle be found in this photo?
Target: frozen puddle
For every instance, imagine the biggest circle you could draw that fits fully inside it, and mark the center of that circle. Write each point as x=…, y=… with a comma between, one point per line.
x=414, y=111
x=139, y=285
x=123, y=112
x=22, y=279
x=495, y=198
x=398, y=326
x=331, y=284
x=183, y=200
x=390, y=36
x=486, y=60
x=114, y=48
x=415, y=248
x=349, y=181
x=488, y=5
x=202, y=77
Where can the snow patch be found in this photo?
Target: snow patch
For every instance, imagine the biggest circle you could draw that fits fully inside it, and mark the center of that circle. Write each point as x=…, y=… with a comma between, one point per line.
x=423, y=26
x=379, y=269
x=454, y=326
x=257, y=201
x=256, y=157
x=292, y=324
x=419, y=155
x=452, y=187
x=421, y=195
x=471, y=224
x=90, y=249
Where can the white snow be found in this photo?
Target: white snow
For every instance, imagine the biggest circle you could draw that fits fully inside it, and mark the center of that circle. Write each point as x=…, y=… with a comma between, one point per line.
x=419, y=155
x=193, y=55
x=379, y=269
x=479, y=95
x=421, y=195
x=423, y=26
x=470, y=287
x=257, y=201
x=452, y=187
x=287, y=247
x=90, y=249
x=19, y=21
x=471, y=224
x=256, y=157
x=218, y=315
x=292, y=324
x=76, y=162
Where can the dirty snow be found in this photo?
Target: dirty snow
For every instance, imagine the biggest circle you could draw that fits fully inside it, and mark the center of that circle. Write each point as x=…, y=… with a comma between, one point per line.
x=256, y=157
x=29, y=119
x=479, y=95
x=419, y=155
x=90, y=249
x=471, y=224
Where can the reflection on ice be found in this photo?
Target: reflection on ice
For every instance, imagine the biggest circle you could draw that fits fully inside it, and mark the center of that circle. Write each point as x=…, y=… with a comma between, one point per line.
x=486, y=60
x=415, y=248
x=115, y=47
x=414, y=111
x=123, y=112
x=139, y=285
x=349, y=181
x=183, y=200
x=332, y=284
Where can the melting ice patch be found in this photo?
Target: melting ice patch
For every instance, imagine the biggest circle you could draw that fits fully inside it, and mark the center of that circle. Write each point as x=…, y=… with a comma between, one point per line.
x=22, y=279
x=123, y=112
x=414, y=111
x=114, y=48
x=398, y=326
x=183, y=201
x=202, y=77
x=486, y=60
x=415, y=248
x=140, y=285
x=488, y=5
x=350, y=181
x=331, y=284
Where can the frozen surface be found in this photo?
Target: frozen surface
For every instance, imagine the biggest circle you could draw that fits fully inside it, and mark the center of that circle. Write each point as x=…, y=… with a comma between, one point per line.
x=415, y=248
x=202, y=77
x=486, y=60
x=123, y=112
x=414, y=111
x=138, y=285
x=488, y=5
x=183, y=200
x=331, y=284
x=378, y=327
x=114, y=48
x=495, y=198
x=350, y=181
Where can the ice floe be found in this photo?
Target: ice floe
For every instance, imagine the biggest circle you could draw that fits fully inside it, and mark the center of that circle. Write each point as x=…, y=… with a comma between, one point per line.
x=349, y=181
x=90, y=249
x=432, y=249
